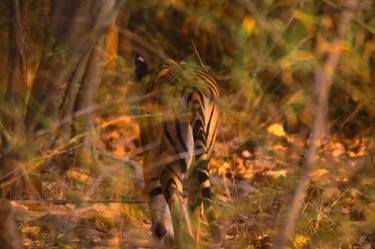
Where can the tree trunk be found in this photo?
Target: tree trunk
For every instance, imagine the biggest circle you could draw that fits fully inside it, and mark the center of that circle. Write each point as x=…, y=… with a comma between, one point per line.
x=68, y=78
x=76, y=29
x=12, y=129
x=15, y=94
x=10, y=237
x=84, y=125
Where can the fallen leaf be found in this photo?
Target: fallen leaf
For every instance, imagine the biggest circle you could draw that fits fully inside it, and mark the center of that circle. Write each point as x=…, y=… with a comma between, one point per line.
x=300, y=240
x=318, y=173
x=248, y=24
x=276, y=173
x=276, y=129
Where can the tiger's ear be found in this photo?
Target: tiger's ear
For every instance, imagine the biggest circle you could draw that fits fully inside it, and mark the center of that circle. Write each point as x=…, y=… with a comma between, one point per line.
x=141, y=67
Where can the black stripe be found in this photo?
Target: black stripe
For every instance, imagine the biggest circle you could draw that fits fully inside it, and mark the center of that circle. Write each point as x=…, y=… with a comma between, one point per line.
x=200, y=141
x=181, y=162
x=168, y=77
x=160, y=230
x=189, y=97
x=211, y=114
x=207, y=76
x=202, y=176
x=159, y=77
x=167, y=194
x=197, y=126
x=206, y=193
x=201, y=146
x=156, y=191
x=173, y=78
x=183, y=165
x=171, y=170
x=201, y=137
x=200, y=115
x=194, y=205
x=179, y=135
x=167, y=191
x=170, y=139
x=212, y=93
x=169, y=183
x=209, y=80
x=210, y=119
x=212, y=90
x=201, y=97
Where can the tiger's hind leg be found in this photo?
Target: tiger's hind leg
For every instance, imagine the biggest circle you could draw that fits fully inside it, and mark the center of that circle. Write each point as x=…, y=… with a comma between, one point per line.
x=194, y=204
x=205, y=128
x=184, y=238
x=204, y=199
x=178, y=141
x=210, y=214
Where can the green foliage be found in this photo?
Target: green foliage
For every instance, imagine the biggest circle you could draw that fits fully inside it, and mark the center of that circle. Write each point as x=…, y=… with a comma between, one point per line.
x=269, y=51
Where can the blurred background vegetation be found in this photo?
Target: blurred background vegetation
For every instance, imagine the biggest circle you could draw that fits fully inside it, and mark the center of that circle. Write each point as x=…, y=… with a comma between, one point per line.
x=79, y=183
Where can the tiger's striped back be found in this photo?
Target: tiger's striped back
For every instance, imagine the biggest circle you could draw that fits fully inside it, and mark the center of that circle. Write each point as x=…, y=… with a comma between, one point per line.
x=181, y=120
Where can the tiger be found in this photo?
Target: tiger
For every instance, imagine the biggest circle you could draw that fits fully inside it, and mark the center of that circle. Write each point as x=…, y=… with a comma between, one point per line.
x=178, y=128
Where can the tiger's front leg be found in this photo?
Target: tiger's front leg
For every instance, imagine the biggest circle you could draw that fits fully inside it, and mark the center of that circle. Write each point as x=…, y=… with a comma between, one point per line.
x=162, y=228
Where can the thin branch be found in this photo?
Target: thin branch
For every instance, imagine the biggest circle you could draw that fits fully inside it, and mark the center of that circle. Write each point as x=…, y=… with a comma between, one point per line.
x=196, y=52
x=158, y=52
x=78, y=202
x=323, y=80
x=353, y=113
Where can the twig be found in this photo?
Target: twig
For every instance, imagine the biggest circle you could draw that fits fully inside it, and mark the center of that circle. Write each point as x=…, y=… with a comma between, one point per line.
x=157, y=51
x=356, y=19
x=353, y=113
x=323, y=79
x=196, y=52
x=79, y=202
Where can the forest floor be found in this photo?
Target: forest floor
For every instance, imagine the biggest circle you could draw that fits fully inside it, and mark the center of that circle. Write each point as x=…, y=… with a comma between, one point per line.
x=253, y=179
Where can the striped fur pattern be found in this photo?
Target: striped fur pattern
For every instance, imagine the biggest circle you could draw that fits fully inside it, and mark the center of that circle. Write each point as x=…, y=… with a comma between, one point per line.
x=181, y=122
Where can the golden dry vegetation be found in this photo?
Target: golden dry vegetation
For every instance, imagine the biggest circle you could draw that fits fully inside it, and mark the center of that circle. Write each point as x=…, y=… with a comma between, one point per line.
x=72, y=171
